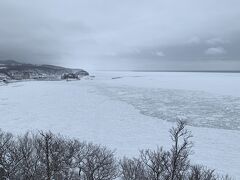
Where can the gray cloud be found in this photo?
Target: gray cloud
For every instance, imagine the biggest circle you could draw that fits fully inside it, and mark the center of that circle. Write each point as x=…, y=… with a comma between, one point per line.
x=160, y=53
x=215, y=41
x=105, y=34
x=215, y=51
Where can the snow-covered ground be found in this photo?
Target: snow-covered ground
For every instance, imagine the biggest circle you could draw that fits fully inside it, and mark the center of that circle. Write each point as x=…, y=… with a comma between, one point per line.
x=128, y=111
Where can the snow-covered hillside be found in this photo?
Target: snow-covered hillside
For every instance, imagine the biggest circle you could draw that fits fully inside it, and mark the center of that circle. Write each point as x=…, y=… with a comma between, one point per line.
x=12, y=70
x=128, y=111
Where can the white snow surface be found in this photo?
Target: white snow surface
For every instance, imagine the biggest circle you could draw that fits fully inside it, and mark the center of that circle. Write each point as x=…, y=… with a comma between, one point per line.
x=128, y=111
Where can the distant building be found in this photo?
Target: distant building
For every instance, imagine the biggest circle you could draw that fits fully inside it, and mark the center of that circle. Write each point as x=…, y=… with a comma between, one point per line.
x=70, y=76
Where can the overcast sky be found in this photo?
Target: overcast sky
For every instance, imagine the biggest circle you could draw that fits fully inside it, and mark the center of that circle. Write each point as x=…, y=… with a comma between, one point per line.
x=122, y=34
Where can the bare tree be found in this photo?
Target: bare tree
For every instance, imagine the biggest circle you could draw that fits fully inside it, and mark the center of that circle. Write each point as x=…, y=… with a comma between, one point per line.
x=96, y=163
x=56, y=155
x=9, y=158
x=68, y=167
x=132, y=169
x=29, y=168
x=155, y=163
x=178, y=161
x=5, y=143
x=201, y=173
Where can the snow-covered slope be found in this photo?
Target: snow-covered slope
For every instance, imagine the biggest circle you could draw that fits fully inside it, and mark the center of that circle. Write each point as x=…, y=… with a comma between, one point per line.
x=123, y=110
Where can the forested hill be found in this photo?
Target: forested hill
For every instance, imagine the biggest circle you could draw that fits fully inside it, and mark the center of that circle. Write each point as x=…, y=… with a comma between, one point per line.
x=13, y=70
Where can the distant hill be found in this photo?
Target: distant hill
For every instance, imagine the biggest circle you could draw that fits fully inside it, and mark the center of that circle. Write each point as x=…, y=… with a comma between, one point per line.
x=13, y=70
x=9, y=62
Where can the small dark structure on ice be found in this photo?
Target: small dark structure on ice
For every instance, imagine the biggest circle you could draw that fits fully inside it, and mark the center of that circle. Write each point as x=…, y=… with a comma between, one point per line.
x=77, y=75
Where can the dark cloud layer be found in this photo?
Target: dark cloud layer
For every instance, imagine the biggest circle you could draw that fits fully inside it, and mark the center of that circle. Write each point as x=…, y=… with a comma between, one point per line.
x=112, y=34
